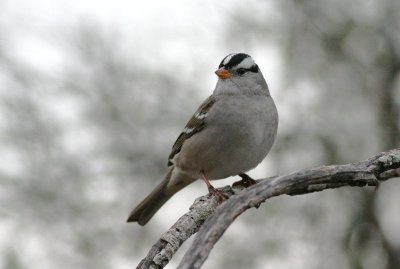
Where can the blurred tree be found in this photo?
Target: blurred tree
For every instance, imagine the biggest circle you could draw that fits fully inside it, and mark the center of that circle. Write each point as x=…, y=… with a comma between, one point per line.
x=84, y=143
x=12, y=261
x=342, y=63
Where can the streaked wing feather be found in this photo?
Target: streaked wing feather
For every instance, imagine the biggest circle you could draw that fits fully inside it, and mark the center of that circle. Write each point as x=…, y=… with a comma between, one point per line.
x=196, y=123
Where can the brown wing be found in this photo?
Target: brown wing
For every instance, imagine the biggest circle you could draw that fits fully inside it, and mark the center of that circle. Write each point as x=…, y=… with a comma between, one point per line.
x=196, y=123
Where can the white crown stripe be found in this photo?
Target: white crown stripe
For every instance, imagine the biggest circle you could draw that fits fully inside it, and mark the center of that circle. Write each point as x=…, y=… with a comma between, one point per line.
x=228, y=58
x=247, y=63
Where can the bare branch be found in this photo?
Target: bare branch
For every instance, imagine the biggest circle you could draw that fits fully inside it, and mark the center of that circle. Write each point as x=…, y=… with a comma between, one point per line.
x=370, y=172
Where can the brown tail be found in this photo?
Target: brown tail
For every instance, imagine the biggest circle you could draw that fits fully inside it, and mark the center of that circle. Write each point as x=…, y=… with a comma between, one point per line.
x=156, y=199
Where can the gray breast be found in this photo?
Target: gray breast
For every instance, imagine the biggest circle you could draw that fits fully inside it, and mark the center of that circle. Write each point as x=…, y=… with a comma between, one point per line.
x=243, y=131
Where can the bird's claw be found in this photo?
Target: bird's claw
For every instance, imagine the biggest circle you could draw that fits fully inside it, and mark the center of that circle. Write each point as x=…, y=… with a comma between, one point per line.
x=221, y=196
x=246, y=181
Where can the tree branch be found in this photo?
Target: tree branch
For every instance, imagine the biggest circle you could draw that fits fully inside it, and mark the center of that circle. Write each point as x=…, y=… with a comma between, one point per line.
x=369, y=172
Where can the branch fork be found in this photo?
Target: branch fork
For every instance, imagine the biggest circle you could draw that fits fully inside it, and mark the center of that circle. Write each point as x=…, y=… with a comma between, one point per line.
x=210, y=219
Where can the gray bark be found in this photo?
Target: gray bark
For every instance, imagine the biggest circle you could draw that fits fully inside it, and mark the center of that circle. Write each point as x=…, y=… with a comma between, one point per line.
x=211, y=220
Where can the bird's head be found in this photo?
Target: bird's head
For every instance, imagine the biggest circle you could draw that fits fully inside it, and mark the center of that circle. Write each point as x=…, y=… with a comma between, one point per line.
x=236, y=65
x=240, y=70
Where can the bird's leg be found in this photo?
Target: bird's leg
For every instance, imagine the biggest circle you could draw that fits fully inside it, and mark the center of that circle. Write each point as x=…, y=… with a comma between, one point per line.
x=246, y=181
x=211, y=189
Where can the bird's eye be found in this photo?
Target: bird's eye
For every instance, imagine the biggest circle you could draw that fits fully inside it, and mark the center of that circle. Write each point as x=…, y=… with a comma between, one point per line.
x=241, y=71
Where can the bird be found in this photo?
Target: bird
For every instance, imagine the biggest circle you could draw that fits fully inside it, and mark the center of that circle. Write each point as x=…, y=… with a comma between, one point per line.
x=230, y=133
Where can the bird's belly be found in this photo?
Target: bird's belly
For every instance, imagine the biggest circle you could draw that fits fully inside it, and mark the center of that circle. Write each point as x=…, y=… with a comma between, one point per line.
x=236, y=153
x=235, y=144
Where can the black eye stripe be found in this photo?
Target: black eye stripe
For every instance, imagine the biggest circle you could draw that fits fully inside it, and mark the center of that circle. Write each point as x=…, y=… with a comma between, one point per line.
x=241, y=71
x=253, y=69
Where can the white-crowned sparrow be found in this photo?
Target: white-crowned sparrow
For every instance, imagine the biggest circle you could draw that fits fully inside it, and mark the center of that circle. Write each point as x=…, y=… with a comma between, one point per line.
x=230, y=133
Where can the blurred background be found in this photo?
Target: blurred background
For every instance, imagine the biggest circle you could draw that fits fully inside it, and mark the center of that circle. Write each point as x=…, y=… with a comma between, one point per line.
x=94, y=93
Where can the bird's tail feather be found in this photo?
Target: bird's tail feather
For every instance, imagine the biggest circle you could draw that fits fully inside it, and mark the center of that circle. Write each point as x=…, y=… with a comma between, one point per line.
x=156, y=199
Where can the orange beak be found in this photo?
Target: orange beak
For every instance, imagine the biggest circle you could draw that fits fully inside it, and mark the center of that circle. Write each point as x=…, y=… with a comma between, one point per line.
x=222, y=73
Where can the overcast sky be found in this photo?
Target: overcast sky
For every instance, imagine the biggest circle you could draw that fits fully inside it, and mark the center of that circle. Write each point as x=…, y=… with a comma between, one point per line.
x=187, y=36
